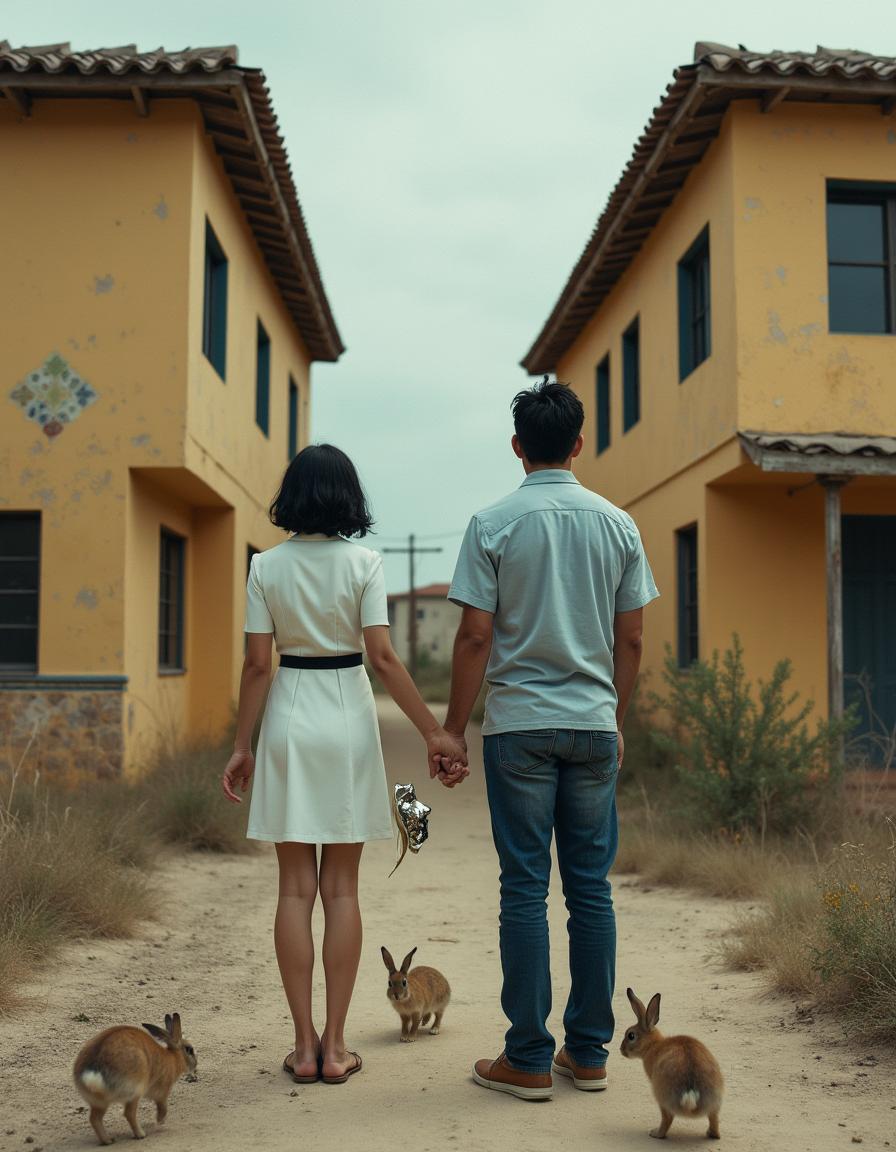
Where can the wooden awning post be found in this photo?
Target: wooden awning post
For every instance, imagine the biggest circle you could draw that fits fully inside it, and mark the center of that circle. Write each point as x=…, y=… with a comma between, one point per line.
x=834, y=565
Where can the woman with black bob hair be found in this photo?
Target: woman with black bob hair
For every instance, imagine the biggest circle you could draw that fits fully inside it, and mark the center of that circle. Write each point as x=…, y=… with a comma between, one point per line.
x=321, y=492
x=320, y=777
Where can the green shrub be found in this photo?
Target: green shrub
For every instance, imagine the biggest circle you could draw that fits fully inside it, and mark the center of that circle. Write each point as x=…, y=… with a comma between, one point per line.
x=745, y=760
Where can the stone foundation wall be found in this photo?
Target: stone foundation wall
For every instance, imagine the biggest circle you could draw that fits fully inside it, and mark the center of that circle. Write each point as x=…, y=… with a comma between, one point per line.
x=68, y=729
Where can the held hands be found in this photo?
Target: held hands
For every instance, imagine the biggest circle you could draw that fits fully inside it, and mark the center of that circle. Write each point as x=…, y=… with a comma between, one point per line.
x=447, y=757
x=237, y=774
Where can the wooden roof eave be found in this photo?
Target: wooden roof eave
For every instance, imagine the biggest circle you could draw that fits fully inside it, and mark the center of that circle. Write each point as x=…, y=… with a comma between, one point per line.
x=535, y=359
x=229, y=89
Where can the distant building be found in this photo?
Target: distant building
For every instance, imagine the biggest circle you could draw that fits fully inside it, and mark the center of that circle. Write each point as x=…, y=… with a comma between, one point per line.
x=162, y=309
x=437, y=621
x=731, y=330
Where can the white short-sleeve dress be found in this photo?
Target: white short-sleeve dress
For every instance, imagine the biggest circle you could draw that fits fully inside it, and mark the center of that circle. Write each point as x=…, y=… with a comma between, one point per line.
x=319, y=772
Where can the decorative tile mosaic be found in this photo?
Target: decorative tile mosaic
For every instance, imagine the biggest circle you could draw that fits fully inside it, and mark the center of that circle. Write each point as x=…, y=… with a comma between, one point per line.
x=53, y=395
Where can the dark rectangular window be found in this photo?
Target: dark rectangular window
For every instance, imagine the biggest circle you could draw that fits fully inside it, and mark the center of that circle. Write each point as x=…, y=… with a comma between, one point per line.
x=262, y=379
x=602, y=398
x=19, y=589
x=631, y=376
x=171, y=601
x=214, y=311
x=694, y=314
x=861, y=257
x=293, y=440
x=688, y=621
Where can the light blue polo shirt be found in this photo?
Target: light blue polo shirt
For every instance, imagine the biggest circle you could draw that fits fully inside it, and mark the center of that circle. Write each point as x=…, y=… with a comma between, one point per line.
x=554, y=562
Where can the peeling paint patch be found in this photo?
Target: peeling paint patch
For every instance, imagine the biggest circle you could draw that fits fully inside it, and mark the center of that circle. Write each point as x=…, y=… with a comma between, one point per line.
x=807, y=331
x=753, y=206
x=891, y=135
x=141, y=440
x=46, y=496
x=823, y=298
x=161, y=209
x=781, y=273
x=91, y=340
x=778, y=401
x=775, y=331
x=87, y=598
x=103, y=284
x=131, y=137
x=74, y=343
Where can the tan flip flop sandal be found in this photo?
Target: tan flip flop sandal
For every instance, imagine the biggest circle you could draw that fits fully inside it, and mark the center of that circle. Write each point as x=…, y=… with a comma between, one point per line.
x=356, y=1067
x=288, y=1069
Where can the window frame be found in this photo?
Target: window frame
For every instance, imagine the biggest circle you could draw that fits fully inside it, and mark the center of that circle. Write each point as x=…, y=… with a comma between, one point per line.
x=695, y=306
x=602, y=406
x=882, y=193
x=292, y=432
x=166, y=666
x=631, y=375
x=262, y=379
x=24, y=666
x=214, y=303
x=687, y=563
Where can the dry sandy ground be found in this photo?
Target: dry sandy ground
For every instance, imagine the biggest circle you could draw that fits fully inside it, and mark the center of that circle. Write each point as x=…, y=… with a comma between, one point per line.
x=791, y=1085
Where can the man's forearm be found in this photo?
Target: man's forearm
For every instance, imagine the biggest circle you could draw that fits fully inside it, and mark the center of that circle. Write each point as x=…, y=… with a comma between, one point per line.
x=626, y=662
x=467, y=673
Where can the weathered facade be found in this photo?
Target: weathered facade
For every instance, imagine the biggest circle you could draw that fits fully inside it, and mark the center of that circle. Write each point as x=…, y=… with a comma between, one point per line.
x=437, y=623
x=731, y=330
x=163, y=309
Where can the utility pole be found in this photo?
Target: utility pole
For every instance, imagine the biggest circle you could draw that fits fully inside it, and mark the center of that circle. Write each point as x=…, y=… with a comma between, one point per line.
x=412, y=551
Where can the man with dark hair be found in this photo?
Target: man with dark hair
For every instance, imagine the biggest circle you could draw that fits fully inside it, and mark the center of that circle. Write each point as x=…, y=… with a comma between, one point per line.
x=553, y=581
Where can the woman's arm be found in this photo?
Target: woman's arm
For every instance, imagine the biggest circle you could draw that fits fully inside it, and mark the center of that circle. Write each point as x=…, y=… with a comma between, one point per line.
x=396, y=679
x=254, y=684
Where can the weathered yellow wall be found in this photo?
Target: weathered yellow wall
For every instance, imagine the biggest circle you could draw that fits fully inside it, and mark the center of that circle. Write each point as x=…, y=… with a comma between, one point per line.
x=680, y=421
x=108, y=249
x=795, y=375
x=774, y=366
x=99, y=202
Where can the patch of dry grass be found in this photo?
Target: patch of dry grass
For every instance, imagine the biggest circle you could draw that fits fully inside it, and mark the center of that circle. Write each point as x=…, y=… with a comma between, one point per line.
x=77, y=862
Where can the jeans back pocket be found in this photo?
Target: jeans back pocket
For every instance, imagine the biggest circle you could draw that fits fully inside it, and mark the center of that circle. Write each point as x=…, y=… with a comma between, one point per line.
x=525, y=751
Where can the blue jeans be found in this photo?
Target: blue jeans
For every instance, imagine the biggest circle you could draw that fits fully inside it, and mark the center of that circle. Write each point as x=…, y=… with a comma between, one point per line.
x=563, y=782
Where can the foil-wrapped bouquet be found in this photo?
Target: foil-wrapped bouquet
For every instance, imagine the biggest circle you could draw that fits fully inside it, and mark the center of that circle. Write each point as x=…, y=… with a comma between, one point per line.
x=411, y=820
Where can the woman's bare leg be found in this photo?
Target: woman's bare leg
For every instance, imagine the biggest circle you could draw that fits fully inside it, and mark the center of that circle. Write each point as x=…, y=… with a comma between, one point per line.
x=342, y=947
x=295, y=946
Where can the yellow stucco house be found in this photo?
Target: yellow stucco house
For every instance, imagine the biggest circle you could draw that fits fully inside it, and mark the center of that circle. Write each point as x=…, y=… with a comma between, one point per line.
x=162, y=308
x=731, y=330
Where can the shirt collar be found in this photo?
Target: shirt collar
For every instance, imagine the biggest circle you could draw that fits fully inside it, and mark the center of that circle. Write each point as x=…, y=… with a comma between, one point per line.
x=550, y=476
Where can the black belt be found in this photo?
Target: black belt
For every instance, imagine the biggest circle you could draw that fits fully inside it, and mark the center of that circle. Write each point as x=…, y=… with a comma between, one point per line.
x=352, y=660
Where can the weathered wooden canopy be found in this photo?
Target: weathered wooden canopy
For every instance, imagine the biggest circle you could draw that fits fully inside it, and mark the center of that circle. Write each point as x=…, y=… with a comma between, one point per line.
x=683, y=126
x=238, y=115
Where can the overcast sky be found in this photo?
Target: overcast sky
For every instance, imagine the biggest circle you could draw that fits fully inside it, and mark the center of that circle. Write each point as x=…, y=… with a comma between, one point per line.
x=451, y=160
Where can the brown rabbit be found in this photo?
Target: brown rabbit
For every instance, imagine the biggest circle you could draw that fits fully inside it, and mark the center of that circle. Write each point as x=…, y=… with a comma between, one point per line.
x=123, y=1064
x=683, y=1073
x=416, y=995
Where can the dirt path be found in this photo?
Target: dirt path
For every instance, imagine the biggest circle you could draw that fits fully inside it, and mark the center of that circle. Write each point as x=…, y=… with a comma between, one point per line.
x=211, y=959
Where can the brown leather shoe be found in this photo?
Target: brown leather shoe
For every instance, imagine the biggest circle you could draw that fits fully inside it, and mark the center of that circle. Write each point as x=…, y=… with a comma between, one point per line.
x=499, y=1075
x=584, y=1078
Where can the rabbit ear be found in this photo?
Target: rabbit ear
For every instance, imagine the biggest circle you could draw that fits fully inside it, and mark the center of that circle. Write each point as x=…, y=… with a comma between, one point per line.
x=156, y=1033
x=388, y=961
x=406, y=963
x=652, y=1016
x=174, y=1027
x=637, y=1006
